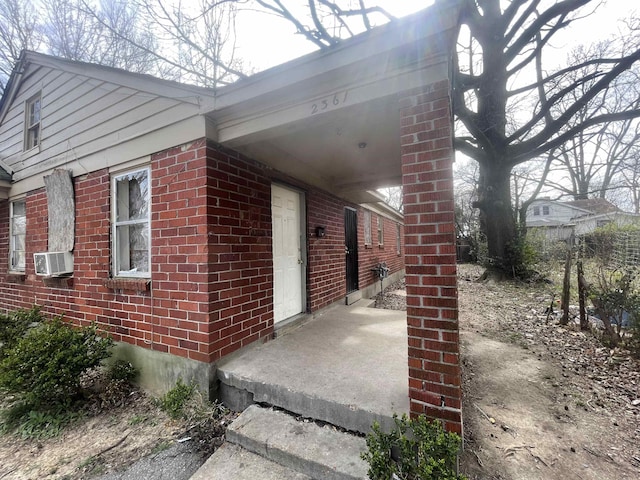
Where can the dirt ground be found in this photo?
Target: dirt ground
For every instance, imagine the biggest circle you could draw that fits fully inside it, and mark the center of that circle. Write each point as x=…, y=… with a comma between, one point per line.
x=540, y=402
x=92, y=446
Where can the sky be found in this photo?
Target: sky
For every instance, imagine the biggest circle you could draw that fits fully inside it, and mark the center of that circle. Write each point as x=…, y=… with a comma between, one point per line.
x=265, y=41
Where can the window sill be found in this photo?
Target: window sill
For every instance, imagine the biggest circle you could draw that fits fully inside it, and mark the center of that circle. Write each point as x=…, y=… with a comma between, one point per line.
x=132, y=284
x=58, y=282
x=15, y=277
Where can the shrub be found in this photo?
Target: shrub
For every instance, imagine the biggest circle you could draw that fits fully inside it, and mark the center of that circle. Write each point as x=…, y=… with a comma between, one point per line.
x=616, y=302
x=417, y=449
x=14, y=325
x=45, y=365
x=121, y=370
x=176, y=400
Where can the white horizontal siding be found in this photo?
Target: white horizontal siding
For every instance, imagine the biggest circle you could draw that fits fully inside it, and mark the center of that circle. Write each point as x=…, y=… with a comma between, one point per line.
x=82, y=116
x=558, y=213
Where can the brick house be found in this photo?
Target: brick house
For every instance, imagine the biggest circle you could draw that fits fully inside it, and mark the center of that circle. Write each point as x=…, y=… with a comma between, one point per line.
x=190, y=224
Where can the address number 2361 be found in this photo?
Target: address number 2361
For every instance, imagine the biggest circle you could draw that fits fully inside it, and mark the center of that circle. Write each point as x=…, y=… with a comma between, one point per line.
x=329, y=102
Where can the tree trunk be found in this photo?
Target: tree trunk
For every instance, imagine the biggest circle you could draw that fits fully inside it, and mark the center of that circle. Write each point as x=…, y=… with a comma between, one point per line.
x=566, y=285
x=582, y=295
x=496, y=217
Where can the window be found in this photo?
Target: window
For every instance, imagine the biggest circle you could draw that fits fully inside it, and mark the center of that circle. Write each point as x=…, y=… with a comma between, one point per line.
x=545, y=210
x=398, y=243
x=367, y=227
x=18, y=231
x=32, y=123
x=536, y=210
x=380, y=234
x=131, y=245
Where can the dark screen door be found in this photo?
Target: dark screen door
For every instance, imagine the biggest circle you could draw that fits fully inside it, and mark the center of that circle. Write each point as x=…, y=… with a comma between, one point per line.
x=351, y=248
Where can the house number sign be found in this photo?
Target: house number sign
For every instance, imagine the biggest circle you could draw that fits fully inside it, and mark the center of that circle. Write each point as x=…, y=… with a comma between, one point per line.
x=328, y=103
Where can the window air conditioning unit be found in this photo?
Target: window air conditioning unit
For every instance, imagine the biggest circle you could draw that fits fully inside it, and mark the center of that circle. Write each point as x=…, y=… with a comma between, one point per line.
x=53, y=264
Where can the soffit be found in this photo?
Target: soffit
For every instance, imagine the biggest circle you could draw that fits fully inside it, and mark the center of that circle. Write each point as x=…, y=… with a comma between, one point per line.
x=332, y=118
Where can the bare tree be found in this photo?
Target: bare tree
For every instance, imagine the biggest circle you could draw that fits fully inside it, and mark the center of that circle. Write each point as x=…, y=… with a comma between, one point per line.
x=20, y=30
x=499, y=70
x=70, y=33
x=512, y=38
x=393, y=196
x=528, y=180
x=627, y=195
x=593, y=158
x=193, y=43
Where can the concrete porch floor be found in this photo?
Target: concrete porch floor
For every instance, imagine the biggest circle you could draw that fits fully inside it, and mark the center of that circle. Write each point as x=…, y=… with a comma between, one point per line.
x=347, y=366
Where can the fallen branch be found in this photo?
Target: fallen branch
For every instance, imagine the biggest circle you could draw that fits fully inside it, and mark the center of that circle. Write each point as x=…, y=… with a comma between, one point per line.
x=490, y=419
x=512, y=450
x=14, y=469
x=105, y=450
x=599, y=455
x=477, y=458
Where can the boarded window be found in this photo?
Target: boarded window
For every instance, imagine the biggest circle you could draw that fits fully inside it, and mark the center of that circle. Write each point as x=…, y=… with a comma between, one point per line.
x=131, y=245
x=18, y=228
x=367, y=227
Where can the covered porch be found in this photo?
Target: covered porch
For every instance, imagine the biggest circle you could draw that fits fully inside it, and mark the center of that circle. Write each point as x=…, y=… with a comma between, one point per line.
x=347, y=366
x=371, y=112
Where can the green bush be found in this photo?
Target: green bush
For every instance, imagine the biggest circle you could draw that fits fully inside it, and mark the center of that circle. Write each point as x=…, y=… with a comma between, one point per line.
x=14, y=325
x=45, y=365
x=417, y=449
x=47, y=422
x=176, y=400
x=121, y=370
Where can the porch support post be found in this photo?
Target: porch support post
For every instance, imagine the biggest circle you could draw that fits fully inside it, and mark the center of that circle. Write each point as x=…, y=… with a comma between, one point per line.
x=430, y=255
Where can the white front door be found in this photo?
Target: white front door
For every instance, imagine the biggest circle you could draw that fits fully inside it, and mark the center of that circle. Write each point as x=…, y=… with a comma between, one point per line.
x=287, y=253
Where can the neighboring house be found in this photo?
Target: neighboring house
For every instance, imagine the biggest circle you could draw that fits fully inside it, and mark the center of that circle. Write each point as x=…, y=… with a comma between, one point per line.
x=559, y=220
x=190, y=223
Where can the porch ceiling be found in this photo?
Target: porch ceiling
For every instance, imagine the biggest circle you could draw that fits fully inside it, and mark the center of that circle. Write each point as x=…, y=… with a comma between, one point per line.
x=332, y=118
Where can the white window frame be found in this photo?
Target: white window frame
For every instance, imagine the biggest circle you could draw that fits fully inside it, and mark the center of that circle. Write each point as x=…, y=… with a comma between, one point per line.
x=380, y=231
x=32, y=123
x=12, y=236
x=116, y=255
x=546, y=210
x=398, y=242
x=536, y=211
x=367, y=227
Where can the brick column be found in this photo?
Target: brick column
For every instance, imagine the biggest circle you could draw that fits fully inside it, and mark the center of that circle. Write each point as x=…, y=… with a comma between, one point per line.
x=430, y=255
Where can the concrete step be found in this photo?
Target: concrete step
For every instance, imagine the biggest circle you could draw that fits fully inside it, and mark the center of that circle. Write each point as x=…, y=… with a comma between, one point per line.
x=232, y=462
x=238, y=393
x=320, y=452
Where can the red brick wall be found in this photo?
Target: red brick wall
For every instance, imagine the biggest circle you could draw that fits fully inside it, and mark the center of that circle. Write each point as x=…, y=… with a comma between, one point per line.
x=211, y=266
x=239, y=247
x=370, y=256
x=326, y=256
x=432, y=302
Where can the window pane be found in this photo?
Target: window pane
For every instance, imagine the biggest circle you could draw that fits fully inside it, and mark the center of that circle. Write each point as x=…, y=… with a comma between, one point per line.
x=19, y=225
x=133, y=248
x=19, y=209
x=34, y=112
x=18, y=242
x=18, y=260
x=132, y=193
